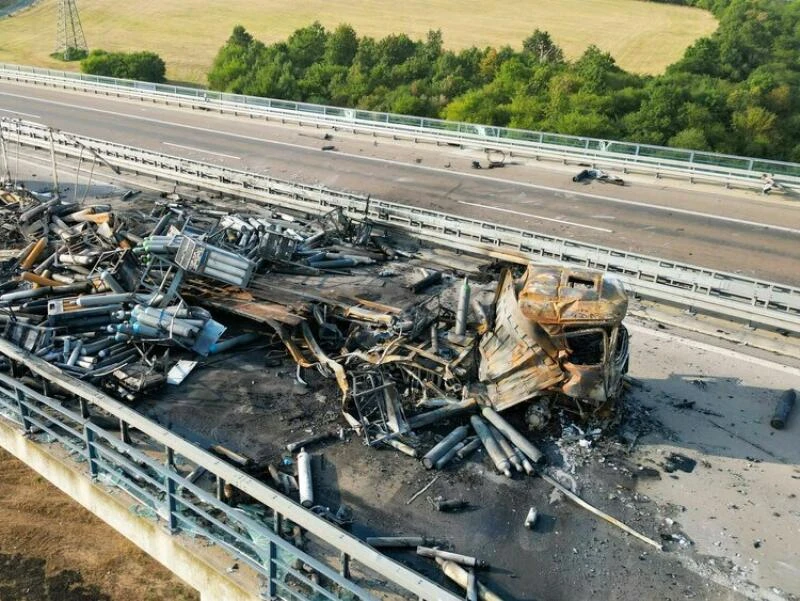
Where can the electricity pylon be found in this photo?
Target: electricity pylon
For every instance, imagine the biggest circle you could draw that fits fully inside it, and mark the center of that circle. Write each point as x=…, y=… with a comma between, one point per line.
x=70, y=32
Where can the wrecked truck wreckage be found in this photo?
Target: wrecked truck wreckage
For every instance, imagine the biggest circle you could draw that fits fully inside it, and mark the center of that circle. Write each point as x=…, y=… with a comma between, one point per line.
x=104, y=294
x=130, y=297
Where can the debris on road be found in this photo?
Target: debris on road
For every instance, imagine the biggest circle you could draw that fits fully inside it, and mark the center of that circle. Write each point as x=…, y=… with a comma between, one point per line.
x=463, y=560
x=462, y=577
x=783, y=409
x=530, y=519
x=587, y=175
x=426, y=350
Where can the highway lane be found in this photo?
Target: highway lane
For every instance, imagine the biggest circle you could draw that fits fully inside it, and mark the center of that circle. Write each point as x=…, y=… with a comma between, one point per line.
x=742, y=234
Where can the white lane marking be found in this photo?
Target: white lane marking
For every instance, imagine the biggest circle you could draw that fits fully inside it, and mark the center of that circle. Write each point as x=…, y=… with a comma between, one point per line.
x=192, y=148
x=21, y=113
x=424, y=167
x=725, y=352
x=501, y=210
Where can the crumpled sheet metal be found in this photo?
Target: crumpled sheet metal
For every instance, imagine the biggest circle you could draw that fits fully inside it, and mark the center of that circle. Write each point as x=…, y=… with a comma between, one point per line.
x=513, y=360
x=572, y=297
x=530, y=352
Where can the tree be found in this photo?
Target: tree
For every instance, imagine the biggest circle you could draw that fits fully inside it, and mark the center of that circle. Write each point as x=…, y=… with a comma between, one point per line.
x=341, y=46
x=231, y=66
x=143, y=66
x=691, y=137
x=541, y=48
x=755, y=126
x=306, y=46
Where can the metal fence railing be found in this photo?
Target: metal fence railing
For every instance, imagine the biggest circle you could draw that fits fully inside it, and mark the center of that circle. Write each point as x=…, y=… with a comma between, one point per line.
x=740, y=298
x=677, y=162
x=159, y=483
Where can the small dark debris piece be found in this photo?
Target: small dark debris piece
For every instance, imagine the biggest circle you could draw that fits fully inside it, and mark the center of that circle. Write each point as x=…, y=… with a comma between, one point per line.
x=757, y=544
x=783, y=409
x=476, y=165
x=451, y=505
x=329, y=147
x=648, y=472
x=676, y=462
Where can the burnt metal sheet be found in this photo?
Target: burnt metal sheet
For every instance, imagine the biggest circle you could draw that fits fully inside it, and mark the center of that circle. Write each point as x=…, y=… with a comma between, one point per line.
x=572, y=296
x=513, y=360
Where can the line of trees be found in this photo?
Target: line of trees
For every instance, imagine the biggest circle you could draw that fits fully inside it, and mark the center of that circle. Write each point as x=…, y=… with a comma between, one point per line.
x=143, y=66
x=736, y=91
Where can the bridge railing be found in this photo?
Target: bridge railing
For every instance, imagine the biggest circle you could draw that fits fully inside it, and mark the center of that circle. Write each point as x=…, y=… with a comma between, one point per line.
x=629, y=156
x=154, y=467
x=737, y=297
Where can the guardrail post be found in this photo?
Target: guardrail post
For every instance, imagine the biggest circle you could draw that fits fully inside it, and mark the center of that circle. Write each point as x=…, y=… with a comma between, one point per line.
x=344, y=569
x=272, y=570
x=91, y=452
x=23, y=411
x=220, y=489
x=172, y=505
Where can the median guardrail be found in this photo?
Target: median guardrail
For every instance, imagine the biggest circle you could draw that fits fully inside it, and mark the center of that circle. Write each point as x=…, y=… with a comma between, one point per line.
x=755, y=302
x=730, y=170
x=334, y=564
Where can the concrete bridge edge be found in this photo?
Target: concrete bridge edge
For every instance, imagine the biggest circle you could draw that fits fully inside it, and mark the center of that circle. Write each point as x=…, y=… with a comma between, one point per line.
x=212, y=583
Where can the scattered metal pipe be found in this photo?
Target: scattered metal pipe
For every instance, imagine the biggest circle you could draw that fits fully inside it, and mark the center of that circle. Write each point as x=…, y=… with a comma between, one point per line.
x=231, y=455
x=448, y=505
x=434, y=339
x=472, y=586
x=506, y=448
x=783, y=409
x=530, y=519
x=526, y=464
x=95, y=300
x=490, y=444
x=447, y=443
x=461, y=577
x=225, y=345
x=110, y=281
x=380, y=542
x=469, y=448
x=34, y=253
x=448, y=457
x=464, y=560
x=305, y=482
x=463, y=309
x=308, y=440
x=431, y=279
x=534, y=454
x=431, y=417
x=402, y=447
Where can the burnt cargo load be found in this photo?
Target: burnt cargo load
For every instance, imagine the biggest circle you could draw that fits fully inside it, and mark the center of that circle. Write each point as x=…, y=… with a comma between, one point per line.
x=400, y=328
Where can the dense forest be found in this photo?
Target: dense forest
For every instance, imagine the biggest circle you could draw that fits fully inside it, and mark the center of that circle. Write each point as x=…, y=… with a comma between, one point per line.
x=737, y=91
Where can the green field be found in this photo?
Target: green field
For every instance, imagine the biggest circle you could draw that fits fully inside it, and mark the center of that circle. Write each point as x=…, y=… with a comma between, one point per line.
x=644, y=37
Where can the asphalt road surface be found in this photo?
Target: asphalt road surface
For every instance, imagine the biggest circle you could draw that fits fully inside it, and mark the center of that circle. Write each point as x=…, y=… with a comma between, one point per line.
x=739, y=232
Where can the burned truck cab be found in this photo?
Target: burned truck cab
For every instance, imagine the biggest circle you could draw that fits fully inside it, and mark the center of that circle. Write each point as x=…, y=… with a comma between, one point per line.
x=582, y=313
x=558, y=335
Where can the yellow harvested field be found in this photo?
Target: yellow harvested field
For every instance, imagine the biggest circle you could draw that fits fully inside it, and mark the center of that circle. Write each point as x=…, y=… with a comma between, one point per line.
x=642, y=36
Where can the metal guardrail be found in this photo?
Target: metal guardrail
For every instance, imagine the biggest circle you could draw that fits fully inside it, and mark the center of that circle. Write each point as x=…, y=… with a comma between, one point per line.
x=159, y=484
x=629, y=156
x=756, y=302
